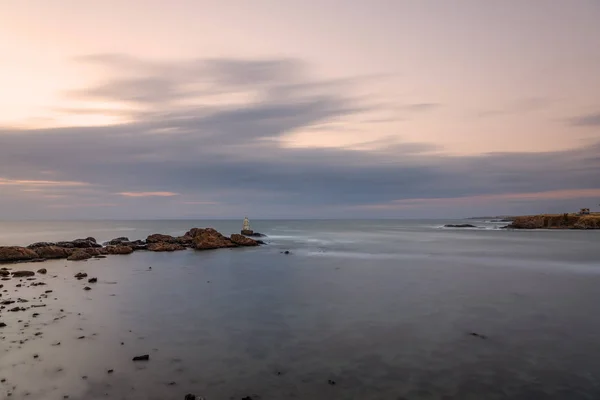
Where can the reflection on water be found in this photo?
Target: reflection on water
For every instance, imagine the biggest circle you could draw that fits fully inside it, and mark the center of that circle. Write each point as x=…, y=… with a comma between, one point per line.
x=233, y=323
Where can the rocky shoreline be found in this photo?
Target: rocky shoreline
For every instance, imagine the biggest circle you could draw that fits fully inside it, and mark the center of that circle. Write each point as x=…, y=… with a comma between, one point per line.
x=556, y=221
x=84, y=249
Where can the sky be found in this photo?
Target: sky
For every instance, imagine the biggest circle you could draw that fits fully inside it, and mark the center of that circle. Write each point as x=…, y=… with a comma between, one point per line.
x=298, y=109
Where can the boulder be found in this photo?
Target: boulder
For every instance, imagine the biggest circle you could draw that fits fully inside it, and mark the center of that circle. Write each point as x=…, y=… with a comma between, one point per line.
x=460, y=226
x=4, y=272
x=52, y=252
x=159, y=238
x=209, y=238
x=242, y=240
x=163, y=246
x=42, y=271
x=16, y=253
x=118, y=249
x=21, y=274
x=247, y=232
x=79, y=255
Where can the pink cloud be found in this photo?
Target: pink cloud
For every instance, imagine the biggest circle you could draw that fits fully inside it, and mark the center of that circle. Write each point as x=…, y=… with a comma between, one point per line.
x=148, y=194
x=39, y=183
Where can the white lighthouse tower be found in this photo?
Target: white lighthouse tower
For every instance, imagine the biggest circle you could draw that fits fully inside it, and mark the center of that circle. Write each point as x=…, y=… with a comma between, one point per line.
x=246, y=227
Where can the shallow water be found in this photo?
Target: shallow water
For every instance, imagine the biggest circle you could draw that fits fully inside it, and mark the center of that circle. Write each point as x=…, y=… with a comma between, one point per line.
x=383, y=308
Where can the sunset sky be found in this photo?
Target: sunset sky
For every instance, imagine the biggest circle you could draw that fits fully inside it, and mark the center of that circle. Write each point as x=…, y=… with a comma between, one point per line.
x=298, y=109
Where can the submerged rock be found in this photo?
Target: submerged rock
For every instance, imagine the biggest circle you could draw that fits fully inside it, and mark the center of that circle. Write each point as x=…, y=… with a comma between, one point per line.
x=145, y=357
x=42, y=271
x=81, y=275
x=16, y=253
x=460, y=226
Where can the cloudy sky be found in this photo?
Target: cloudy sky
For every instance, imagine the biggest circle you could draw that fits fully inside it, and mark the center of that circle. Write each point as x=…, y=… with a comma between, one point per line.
x=298, y=108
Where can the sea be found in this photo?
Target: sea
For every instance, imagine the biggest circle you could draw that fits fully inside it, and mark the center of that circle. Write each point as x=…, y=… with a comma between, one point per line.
x=358, y=309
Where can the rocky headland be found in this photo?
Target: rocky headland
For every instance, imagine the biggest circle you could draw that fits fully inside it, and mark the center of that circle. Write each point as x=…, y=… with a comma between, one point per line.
x=556, y=221
x=83, y=249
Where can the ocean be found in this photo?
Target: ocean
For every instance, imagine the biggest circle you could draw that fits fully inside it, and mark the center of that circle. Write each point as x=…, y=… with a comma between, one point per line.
x=359, y=309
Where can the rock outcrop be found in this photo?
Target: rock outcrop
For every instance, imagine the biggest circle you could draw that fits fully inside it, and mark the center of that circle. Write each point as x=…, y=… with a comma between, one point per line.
x=160, y=238
x=164, y=246
x=83, y=249
x=79, y=255
x=251, y=233
x=460, y=226
x=548, y=221
x=16, y=253
x=120, y=249
x=209, y=239
x=53, y=252
x=242, y=240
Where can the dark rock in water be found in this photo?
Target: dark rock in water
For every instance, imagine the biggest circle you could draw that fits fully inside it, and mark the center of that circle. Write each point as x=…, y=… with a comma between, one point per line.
x=145, y=357
x=92, y=280
x=80, y=275
x=53, y=252
x=117, y=241
x=16, y=253
x=87, y=288
x=251, y=233
x=20, y=274
x=100, y=256
x=15, y=309
x=4, y=272
x=85, y=243
x=66, y=245
x=158, y=238
x=460, y=226
x=208, y=239
x=331, y=382
x=42, y=271
x=40, y=244
x=247, y=398
x=164, y=246
x=241, y=240
x=110, y=371
x=2, y=324
x=193, y=397
x=118, y=249
x=79, y=255
x=286, y=252
x=480, y=336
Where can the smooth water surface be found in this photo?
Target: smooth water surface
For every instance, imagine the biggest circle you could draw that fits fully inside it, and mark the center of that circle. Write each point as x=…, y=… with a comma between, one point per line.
x=383, y=308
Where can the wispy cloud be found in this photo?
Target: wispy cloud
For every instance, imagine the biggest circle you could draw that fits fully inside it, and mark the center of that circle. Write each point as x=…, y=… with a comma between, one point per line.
x=148, y=194
x=586, y=120
x=40, y=183
x=450, y=201
x=78, y=205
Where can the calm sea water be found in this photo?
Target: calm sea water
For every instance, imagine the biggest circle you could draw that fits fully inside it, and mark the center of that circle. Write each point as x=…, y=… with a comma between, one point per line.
x=383, y=308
